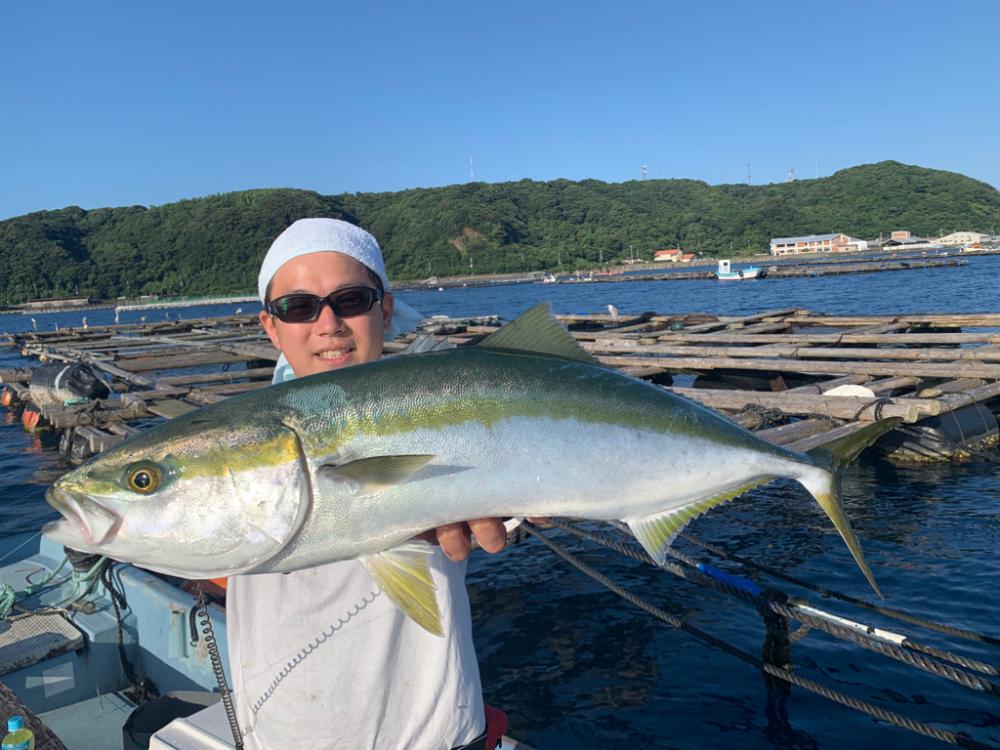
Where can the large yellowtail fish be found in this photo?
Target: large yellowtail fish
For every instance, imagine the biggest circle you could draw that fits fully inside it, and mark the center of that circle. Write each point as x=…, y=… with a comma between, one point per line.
x=354, y=463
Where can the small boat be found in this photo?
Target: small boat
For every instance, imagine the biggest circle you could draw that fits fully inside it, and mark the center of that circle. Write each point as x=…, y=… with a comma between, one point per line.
x=726, y=273
x=61, y=667
x=549, y=278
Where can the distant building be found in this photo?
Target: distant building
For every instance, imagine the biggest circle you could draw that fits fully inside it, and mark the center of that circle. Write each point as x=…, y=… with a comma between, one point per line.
x=687, y=257
x=902, y=240
x=673, y=255
x=55, y=303
x=817, y=243
x=959, y=239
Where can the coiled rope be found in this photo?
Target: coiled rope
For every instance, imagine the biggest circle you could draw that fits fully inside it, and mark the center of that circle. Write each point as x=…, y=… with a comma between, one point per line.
x=877, y=712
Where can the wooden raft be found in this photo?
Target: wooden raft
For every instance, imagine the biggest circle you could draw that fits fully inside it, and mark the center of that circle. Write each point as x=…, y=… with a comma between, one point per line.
x=769, y=372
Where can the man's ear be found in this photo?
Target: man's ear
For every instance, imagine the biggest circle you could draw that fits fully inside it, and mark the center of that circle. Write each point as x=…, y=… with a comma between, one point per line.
x=387, y=302
x=267, y=323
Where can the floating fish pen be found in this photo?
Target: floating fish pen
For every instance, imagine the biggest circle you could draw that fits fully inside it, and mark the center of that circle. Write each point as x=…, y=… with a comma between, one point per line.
x=795, y=377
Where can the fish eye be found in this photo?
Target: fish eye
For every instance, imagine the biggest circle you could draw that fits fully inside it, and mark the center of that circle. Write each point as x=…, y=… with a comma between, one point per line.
x=144, y=478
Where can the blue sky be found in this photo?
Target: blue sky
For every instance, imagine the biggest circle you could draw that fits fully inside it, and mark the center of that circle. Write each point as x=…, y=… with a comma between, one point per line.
x=120, y=103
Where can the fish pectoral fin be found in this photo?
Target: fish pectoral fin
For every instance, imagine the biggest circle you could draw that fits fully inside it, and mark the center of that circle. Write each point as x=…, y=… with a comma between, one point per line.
x=404, y=574
x=378, y=472
x=657, y=531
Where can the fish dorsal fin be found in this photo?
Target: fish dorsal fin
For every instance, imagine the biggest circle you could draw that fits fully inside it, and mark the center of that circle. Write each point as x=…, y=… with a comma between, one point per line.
x=378, y=472
x=657, y=531
x=537, y=330
x=404, y=574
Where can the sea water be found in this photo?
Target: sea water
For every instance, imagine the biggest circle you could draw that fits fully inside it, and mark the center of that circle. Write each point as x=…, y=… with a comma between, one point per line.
x=576, y=667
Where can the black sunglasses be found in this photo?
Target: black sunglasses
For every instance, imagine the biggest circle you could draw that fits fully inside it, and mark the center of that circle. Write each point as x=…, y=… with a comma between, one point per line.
x=305, y=308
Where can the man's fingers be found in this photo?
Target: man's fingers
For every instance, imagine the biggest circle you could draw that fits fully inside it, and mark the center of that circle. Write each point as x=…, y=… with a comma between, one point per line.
x=490, y=533
x=455, y=540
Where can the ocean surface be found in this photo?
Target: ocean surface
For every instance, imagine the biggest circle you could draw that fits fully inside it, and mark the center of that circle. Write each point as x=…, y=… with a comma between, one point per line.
x=574, y=666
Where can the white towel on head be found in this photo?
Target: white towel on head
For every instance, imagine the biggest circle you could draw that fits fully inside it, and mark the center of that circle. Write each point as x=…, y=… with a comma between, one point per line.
x=334, y=236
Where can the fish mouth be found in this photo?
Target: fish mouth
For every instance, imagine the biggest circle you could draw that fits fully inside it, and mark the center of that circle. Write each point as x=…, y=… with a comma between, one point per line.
x=95, y=523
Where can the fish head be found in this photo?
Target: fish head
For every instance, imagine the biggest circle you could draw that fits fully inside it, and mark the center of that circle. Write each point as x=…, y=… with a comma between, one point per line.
x=192, y=497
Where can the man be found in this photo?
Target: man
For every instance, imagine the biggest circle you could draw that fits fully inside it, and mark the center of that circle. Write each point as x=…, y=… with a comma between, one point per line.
x=321, y=658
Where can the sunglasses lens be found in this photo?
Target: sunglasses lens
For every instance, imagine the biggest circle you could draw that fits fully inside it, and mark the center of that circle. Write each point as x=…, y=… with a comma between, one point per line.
x=305, y=308
x=297, y=308
x=354, y=302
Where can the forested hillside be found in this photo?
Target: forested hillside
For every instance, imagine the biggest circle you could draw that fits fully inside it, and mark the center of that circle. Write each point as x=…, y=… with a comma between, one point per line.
x=214, y=244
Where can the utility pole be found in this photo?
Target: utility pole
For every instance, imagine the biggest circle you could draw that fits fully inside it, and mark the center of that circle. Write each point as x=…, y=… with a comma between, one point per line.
x=748, y=173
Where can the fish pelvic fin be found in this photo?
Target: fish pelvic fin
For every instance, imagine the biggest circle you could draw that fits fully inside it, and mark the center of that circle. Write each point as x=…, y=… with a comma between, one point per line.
x=657, y=531
x=378, y=472
x=537, y=330
x=404, y=574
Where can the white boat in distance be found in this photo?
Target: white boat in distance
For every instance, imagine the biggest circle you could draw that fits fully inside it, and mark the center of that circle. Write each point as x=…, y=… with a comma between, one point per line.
x=726, y=273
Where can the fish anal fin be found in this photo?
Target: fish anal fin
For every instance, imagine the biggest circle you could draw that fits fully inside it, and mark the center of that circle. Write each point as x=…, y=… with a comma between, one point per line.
x=404, y=574
x=656, y=531
x=378, y=472
x=537, y=330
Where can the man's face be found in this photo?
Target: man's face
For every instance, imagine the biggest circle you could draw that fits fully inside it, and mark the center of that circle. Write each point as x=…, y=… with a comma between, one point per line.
x=329, y=342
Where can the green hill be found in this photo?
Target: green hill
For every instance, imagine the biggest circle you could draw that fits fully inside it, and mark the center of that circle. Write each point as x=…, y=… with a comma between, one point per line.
x=214, y=245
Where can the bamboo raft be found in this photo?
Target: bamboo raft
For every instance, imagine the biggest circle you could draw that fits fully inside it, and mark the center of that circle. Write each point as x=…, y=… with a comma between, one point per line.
x=772, y=372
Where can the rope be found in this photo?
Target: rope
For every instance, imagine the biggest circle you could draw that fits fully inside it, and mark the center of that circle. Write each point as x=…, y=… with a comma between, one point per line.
x=883, y=647
x=880, y=609
x=765, y=416
x=119, y=603
x=770, y=669
x=877, y=404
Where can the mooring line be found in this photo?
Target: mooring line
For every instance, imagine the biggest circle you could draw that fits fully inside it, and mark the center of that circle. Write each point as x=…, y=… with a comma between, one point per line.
x=892, y=717
x=851, y=633
x=895, y=614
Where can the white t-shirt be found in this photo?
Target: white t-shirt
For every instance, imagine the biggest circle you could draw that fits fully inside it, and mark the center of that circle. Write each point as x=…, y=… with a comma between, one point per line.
x=321, y=658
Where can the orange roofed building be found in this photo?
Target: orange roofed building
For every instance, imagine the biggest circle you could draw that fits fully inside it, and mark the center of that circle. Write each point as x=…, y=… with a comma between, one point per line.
x=673, y=255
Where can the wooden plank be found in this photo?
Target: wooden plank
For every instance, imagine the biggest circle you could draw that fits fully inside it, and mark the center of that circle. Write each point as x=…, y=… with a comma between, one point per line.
x=168, y=408
x=913, y=369
x=729, y=322
x=838, y=407
x=896, y=339
x=979, y=354
x=227, y=376
x=148, y=364
x=944, y=320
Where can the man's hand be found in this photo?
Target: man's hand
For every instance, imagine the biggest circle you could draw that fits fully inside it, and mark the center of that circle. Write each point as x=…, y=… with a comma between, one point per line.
x=456, y=538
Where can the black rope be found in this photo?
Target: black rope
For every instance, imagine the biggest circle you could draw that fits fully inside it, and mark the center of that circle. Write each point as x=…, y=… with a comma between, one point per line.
x=143, y=689
x=885, y=648
x=765, y=417
x=877, y=404
x=892, y=717
x=208, y=633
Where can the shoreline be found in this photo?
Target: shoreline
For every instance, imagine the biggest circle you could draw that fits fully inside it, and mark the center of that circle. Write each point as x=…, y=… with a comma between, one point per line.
x=648, y=271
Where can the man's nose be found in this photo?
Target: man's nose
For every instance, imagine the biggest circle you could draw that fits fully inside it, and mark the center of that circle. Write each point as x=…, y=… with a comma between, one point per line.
x=328, y=321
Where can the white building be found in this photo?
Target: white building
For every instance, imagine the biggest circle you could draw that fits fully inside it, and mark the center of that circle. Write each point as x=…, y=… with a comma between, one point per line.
x=959, y=239
x=817, y=243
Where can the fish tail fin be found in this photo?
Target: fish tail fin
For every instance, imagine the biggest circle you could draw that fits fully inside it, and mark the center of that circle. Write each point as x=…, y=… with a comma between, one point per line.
x=823, y=484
